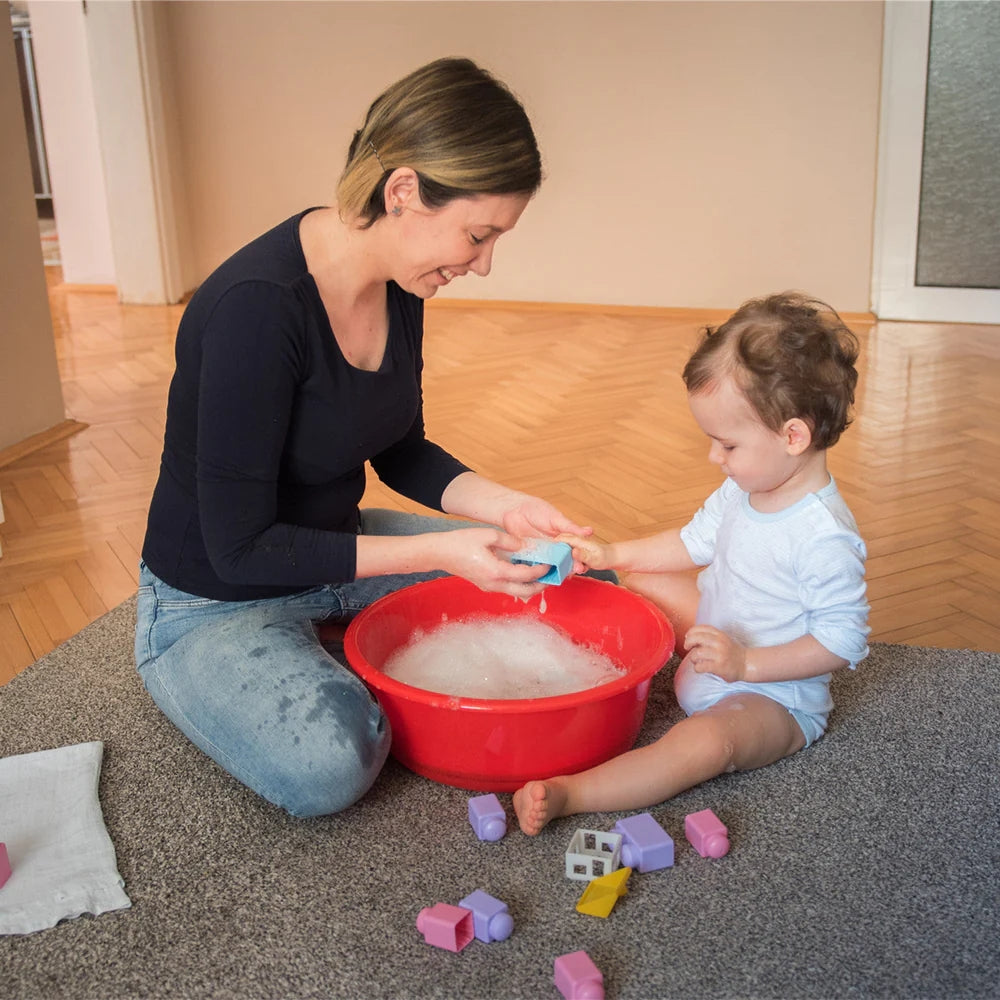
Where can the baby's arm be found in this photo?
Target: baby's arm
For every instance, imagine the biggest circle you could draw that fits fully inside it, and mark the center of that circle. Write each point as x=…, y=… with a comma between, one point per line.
x=714, y=652
x=660, y=553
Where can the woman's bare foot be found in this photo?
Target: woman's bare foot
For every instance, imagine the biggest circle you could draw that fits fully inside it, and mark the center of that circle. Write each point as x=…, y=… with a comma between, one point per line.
x=538, y=802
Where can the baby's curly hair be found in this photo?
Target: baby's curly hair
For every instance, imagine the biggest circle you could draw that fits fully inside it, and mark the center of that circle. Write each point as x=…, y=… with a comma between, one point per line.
x=791, y=355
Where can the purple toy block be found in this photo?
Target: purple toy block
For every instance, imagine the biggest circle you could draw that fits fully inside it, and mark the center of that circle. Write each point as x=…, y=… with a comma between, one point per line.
x=577, y=978
x=487, y=817
x=4, y=865
x=707, y=834
x=446, y=926
x=490, y=918
x=646, y=846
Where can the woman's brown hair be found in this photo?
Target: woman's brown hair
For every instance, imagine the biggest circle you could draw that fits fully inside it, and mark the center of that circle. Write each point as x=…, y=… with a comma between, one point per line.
x=457, y=126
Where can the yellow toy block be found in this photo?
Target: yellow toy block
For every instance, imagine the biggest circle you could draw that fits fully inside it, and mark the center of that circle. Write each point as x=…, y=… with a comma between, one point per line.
x=600, y=896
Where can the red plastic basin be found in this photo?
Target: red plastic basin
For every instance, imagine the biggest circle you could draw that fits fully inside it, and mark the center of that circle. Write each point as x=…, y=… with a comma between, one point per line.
x=495, y=745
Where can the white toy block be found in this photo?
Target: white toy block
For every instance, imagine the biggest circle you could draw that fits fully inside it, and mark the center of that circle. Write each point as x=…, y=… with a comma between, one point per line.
x=593, y=853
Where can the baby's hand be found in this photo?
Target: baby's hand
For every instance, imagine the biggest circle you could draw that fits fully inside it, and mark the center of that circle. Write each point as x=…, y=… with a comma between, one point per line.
x=587, y=552
x=713, y=652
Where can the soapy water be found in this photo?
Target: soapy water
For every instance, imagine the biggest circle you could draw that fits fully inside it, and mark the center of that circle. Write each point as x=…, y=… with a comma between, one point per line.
x=499, y=658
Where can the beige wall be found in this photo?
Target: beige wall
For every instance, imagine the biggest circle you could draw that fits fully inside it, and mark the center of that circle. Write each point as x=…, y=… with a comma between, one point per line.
x=696, y=153
x=30, y=394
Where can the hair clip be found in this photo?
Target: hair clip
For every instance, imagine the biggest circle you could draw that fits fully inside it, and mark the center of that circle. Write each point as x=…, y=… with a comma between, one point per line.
x=377, y=157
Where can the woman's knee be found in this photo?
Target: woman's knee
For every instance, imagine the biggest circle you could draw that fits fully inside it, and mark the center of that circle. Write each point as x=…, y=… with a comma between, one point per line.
x=322, y=750
x=275, y=711
x=323, y=783
x=381, y=521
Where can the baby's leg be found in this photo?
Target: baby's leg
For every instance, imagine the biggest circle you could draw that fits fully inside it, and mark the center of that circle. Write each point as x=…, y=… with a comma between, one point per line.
x=739, y=733
x=675, y=594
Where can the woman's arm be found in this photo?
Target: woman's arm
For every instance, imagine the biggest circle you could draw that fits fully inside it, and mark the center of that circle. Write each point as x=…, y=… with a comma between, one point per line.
x=473, y=553
x=473, y=496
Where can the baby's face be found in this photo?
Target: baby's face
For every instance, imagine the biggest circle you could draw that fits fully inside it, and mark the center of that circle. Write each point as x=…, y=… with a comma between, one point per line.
x=758, y=459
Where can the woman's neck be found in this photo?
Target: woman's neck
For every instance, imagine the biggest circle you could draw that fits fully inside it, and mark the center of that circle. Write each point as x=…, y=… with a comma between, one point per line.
x=343, y=259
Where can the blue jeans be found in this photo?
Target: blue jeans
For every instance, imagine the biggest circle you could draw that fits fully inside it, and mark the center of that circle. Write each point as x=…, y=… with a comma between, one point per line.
x=249, y=683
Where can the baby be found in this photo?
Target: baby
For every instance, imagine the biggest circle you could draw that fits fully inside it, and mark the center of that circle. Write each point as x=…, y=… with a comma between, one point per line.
x=781, y=601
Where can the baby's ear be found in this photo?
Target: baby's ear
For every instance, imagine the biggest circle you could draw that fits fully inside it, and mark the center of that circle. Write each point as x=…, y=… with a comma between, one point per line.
x=797, y=435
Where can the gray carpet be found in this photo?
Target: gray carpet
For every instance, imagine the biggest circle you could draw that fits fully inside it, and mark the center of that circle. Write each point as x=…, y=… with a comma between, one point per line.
x=863, y=867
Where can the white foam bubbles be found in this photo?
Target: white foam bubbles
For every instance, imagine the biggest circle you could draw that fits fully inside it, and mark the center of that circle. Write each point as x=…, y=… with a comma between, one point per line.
x=499, y=658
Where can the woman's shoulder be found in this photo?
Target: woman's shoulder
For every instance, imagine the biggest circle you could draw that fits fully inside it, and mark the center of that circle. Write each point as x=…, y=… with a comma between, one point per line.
x=275, y=257
x=265, y=274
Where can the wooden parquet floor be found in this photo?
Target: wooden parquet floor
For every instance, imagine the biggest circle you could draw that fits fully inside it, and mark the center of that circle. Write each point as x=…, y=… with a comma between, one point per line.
x=583, y=407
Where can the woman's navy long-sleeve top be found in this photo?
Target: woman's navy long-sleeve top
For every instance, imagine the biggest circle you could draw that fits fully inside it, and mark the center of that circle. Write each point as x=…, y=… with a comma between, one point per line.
x=269, y=428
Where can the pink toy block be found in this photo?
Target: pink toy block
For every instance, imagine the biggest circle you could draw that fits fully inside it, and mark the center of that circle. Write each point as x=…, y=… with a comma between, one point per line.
x=577, y=978
x=490, y=918
x=4, y=865
x=707, y=834
x=487, y=817
x=446, y=926
x=646, y=846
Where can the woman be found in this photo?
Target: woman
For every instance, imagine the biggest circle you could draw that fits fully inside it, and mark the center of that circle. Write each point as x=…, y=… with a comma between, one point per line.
x=298, y=360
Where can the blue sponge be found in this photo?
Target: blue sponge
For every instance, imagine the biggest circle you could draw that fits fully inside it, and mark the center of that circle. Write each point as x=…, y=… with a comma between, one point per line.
x=539, y=551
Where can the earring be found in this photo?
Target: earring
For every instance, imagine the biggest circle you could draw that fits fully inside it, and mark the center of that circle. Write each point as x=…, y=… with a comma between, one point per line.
x=396, y=210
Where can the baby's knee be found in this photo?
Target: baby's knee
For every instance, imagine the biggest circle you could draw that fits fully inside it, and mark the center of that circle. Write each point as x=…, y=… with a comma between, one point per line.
x=726, y=759
x=751, y=731
x=718, y=743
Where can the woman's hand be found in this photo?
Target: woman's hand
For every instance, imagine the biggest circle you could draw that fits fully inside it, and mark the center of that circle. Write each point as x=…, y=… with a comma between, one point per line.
x=477, y=554
x=521, y=515
x=472, y=496
x=532, y=517
x=713, y=652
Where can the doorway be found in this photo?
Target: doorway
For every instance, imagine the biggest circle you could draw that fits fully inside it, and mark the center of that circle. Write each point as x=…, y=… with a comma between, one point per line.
x=28, y=80
x=937, y=227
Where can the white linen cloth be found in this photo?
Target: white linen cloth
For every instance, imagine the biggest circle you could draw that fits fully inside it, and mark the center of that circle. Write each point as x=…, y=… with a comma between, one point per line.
x=62, y=860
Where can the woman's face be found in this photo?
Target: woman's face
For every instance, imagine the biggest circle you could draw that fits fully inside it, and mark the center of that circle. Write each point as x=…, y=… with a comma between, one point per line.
x=435, y=246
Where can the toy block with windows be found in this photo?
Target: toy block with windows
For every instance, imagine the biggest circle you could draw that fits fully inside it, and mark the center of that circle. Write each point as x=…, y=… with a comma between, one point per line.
x=646, y=846
x=706, y=833
x=557, y=555
x=487, y=817
x=593, y=853
x=577, y=978
x=446, y=926
x=600, y=896
x=490, y=918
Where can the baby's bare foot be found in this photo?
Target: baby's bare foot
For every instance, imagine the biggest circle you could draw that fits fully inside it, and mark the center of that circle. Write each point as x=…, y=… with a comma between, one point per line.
x=535, y=804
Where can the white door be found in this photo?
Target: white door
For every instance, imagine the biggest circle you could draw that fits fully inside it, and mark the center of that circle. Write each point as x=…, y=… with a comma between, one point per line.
x=937, y=214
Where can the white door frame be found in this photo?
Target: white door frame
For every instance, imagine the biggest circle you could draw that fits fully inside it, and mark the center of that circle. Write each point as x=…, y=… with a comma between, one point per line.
x=895, y=295
x=125, y=69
